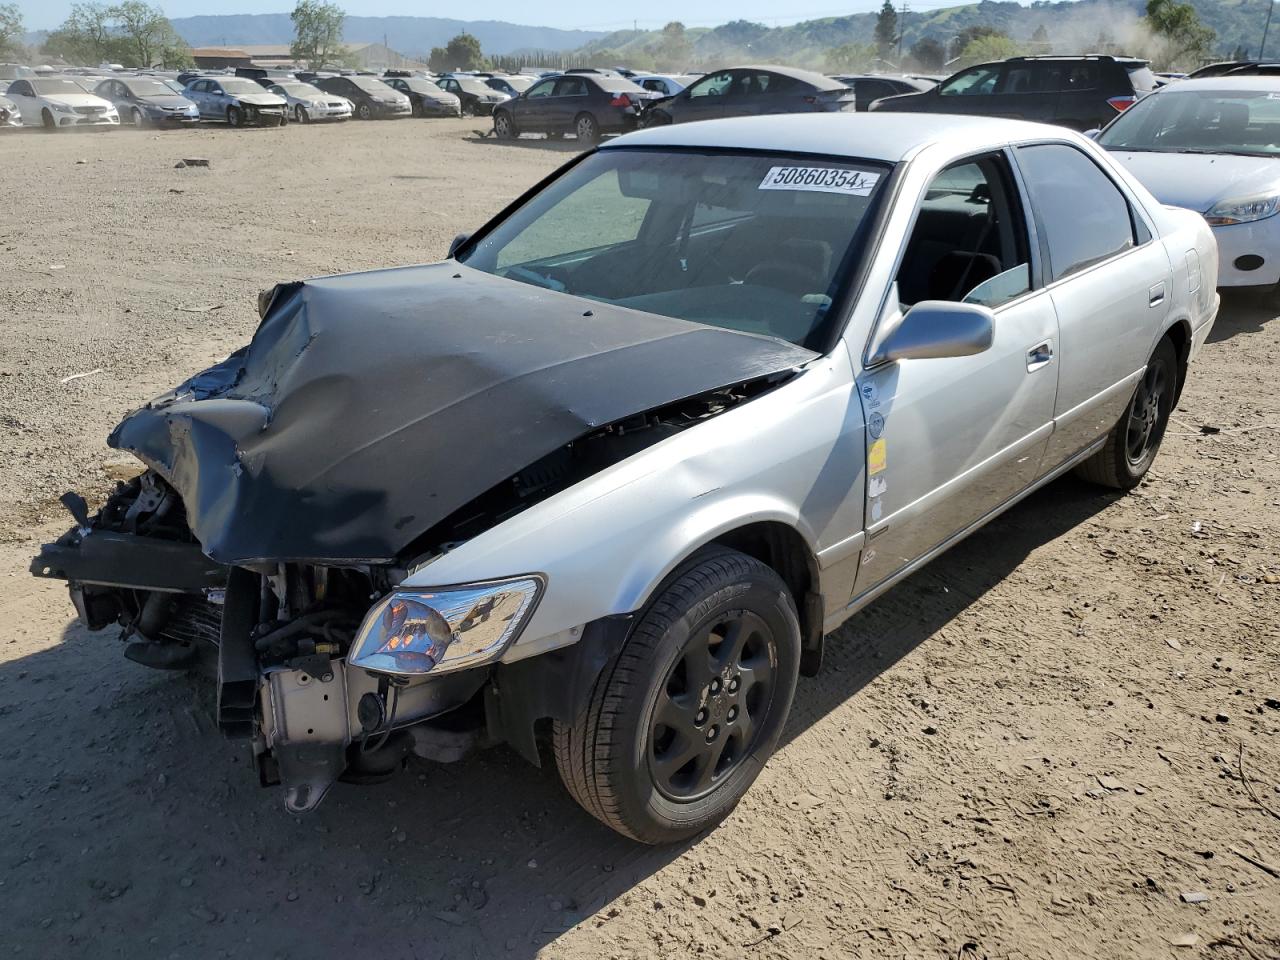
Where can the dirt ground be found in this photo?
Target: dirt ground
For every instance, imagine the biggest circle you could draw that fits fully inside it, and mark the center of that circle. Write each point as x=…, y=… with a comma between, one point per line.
x=1052, y=742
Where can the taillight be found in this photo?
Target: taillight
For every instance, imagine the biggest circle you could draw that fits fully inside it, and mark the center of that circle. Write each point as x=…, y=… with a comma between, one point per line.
x=621, y=100
x=1121, y=104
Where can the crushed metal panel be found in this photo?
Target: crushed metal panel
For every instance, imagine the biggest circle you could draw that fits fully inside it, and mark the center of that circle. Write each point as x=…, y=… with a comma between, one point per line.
x=368, y=407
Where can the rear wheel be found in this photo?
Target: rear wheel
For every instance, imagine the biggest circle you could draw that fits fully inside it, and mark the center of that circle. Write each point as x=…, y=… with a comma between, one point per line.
x=586, y=127
x=1134, y=442
x=681, y=722
x=504, y=126
x=656, y=118
x=235, y=118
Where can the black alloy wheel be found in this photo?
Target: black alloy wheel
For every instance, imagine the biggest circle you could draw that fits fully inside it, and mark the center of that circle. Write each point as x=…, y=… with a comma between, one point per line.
x=707, y=718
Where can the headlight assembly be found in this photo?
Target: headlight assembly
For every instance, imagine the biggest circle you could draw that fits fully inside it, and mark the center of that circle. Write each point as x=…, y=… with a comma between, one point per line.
x=1243, y=210
x=412, y=632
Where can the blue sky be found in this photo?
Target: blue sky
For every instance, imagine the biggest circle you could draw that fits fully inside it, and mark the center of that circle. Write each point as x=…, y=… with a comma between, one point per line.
x=581, y=14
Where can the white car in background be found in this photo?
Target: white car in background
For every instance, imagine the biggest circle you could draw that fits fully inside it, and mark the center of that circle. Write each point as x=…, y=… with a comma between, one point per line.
x=664, y=83
x=59, y=102
x=308, y=103
x=1213, y=146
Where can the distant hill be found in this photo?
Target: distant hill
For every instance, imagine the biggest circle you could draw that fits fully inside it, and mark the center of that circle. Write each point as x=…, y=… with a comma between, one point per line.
x=1074, y=26
x=408, y=35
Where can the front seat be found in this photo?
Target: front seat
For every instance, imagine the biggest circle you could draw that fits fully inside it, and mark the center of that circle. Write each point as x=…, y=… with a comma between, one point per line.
x=958, y=272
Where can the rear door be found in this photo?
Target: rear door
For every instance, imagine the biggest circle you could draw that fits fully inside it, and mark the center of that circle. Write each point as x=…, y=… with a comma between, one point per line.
x=1110, y=284
x=1028, y=90
x=566, y=101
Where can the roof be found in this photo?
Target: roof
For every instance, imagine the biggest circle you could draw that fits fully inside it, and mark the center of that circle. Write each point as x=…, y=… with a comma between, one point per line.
x=1251, y=81
x=227, y=52
x=890, y=137
x=808, y=76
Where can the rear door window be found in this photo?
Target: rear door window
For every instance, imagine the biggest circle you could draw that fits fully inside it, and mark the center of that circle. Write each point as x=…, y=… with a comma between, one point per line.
x=1083, y=216
x=571, y=87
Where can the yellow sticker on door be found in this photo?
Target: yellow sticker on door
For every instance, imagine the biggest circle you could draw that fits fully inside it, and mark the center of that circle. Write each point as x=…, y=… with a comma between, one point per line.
x=876, y=458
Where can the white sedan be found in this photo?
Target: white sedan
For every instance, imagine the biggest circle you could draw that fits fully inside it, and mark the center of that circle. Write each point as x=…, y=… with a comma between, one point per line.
x=58, y=102
x=1213, y=146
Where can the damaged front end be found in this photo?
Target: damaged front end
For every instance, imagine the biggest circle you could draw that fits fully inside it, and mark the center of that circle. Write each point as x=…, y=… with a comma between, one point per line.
x=290, y=490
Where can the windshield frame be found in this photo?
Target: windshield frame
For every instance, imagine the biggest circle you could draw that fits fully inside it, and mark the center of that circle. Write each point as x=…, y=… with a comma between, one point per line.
x=830, y=330
x=36, y=81
x=1136, y=115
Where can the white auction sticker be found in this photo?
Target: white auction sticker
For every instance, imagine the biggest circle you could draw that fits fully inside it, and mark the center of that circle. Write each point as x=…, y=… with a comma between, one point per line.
x=855, y=183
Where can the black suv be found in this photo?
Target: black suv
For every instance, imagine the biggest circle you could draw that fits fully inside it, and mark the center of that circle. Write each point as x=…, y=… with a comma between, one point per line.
x=1078, y=92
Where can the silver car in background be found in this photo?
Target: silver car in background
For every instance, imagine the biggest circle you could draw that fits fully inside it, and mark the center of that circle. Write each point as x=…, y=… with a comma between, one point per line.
x=307, y=103
x=237, y=101
x=611, y=473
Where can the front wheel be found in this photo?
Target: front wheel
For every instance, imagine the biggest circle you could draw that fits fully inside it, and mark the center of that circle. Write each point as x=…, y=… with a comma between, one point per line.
x=300, y=114
x=1134, y=442
x=364, y=112
x=47, y=119
x=504, y=126
x=139, y=120
x=587, y=129
x=681, y=722
x=234, y=117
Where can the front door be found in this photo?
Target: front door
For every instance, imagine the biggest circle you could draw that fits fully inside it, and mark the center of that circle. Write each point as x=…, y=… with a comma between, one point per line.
x=531, y=109
x=1110, y=287
x=705, y=99
x=950, y=440
x=21, y=93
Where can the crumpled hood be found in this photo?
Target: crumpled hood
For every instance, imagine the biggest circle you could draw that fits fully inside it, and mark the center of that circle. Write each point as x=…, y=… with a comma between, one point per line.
x=1199, y=180
x=368, y=407
x=260, y=99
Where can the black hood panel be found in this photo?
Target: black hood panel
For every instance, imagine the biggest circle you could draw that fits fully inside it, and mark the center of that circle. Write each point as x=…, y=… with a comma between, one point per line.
x=368, y=407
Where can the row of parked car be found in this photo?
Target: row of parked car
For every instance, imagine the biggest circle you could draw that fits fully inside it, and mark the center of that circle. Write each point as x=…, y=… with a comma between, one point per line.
x=250, y=96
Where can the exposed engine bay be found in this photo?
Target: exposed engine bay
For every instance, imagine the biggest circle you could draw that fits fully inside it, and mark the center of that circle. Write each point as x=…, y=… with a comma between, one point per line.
x=278, y=635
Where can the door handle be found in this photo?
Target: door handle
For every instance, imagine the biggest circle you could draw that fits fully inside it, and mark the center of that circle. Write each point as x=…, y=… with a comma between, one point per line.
x=1156, y=294
x=1041, y=355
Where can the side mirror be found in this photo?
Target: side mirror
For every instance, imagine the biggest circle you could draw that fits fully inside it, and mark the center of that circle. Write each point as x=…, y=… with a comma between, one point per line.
x=457, y=243
x=1093, y=134
x=934, y=329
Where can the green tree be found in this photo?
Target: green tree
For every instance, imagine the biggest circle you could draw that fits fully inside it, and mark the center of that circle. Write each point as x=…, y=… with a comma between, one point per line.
x=1040, y=38
x=886, y=33
x=850, y=58
x=317, y=33
x=927, y=54
x=87, y=36
x=147, y=34
x=673, y=50
x=1185, y=40
x=10, y=29
x=461, y=53
x=977, y=32
x=986, y=49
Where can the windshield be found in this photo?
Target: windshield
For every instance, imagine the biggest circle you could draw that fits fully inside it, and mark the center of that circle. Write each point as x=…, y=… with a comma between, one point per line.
x=519, y=84
x=1199, y=121
x=372, y=85
x=422, y=86
x=46, y=88
x=300, y=90
x=751, y=243
x=148, y=88
x=472, y=85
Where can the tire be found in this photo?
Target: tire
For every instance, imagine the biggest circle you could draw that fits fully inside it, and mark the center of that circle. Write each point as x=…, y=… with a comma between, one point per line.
x=364, y=112
x=504, y=126
x=234, y=117
x=415, y=109
x=467, y=111
x=657, y=118
x=1133, y=443
x=300, y=114
x=587, y=128
x=679, y=725
x=138, y=119
x=47, y=119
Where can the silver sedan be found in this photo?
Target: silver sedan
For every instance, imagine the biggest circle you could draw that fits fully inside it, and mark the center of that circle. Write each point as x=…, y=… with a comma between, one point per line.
x=704, y=394
x=309, y=104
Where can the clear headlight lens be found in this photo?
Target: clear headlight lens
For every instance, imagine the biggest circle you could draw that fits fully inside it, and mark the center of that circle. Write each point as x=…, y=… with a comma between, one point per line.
x=1244, y=210
x=64, y=108
x=412, y=632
